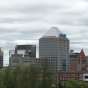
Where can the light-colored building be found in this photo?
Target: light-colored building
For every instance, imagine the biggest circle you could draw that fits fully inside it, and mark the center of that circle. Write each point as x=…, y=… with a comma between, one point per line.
x=1, y=58
x=54, y=46
x=22, y=57
x=85, y=77
x=25, y=61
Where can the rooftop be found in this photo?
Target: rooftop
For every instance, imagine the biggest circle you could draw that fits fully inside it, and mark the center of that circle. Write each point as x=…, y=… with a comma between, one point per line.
x=81, y=54
x=52, y=32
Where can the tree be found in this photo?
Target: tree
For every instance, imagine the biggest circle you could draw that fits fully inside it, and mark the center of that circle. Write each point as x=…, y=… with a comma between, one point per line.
x=17, y=74
x=47, y=76
x=75, y=84
x=34, y=77
x=8, y=78
x=1, y=80
x=60, y=85
x=24, y=77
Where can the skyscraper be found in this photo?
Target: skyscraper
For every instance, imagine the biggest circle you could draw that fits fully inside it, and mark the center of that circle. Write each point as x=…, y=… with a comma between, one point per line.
x=54, y=46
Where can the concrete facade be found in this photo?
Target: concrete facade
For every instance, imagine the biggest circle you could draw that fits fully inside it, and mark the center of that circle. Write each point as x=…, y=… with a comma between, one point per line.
x=23, y=55
x=25, y=61
x=55, y=48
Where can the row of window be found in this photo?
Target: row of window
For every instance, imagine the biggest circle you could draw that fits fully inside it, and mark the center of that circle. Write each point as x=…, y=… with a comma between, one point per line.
x=81, y=61
x=18, y=59
x=54, y=40
x=28, y=64
x=54, y=44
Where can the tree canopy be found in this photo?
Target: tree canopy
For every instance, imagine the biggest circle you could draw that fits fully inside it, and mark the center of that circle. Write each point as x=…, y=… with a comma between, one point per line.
x=34, y=77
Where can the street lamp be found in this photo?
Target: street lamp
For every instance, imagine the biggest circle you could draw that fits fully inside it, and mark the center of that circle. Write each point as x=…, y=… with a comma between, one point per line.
x=53, y=85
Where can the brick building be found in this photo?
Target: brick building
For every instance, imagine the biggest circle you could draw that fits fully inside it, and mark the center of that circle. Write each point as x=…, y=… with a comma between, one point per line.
x=77, y=63
x=66, y=76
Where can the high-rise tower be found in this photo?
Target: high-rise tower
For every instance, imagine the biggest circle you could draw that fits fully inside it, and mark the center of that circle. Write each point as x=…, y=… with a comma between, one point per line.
x=54, y=46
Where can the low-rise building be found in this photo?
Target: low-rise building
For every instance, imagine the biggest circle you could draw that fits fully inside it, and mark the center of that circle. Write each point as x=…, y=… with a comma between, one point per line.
x=22, y=57
x=66, y=76
x=78, y=61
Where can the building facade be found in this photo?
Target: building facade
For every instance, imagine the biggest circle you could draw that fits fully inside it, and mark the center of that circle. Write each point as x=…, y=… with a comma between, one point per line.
x=1, y=58
x=54, y=46
x=81, y=60
x=66, y=76
x=78, y=63
x=24, y=56
x=20, y=60
x=73, y=60
x=21, y=49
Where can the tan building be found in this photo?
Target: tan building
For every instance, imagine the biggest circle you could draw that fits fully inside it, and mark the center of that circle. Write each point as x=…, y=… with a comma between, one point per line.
x=77, y=64
x=25, y=61
x=81, y=60
x=22, y=58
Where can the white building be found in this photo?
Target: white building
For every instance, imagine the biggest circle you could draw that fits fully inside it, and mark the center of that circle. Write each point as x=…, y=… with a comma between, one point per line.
x=54, y=46
x=85, y=77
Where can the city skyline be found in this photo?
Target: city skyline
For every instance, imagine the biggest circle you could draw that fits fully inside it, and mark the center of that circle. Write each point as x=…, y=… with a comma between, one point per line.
x=37, y=52
x=25, y=21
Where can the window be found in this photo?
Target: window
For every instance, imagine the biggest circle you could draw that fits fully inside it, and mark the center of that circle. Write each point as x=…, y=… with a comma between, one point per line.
x=83, y=61
x=78, y=61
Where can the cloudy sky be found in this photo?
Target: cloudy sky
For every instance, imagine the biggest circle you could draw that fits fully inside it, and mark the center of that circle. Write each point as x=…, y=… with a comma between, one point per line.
x=25, y=21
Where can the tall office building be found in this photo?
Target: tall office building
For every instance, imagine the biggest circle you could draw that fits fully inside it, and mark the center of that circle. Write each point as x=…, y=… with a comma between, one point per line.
x=54, y=46
x=1, y=58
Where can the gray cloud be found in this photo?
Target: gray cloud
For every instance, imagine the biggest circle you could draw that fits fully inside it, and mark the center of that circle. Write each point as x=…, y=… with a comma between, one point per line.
x=25, y=21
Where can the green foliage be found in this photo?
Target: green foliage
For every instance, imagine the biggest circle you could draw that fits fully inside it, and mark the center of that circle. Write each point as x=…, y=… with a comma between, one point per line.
x=75, y=84
x=60, y=85
x=25, y=77
x=34, y=77
x=47, y=76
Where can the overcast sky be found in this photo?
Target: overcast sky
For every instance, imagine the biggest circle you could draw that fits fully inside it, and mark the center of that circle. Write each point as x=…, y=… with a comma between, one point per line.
x=25, y=21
